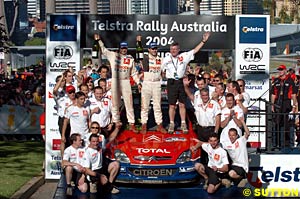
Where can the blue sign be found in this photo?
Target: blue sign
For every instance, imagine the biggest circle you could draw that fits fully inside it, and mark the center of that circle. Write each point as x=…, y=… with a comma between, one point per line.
x=253, y=30
x=63, y=28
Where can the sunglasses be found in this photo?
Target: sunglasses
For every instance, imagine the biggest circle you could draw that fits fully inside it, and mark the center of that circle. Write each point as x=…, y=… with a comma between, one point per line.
x=280, y=69
x=241, y=85
x=153, y=48
x=70, y=92
x=94, y=127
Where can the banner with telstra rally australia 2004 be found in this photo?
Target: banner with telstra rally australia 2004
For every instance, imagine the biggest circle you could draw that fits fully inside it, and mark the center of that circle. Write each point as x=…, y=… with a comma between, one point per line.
x=163, y=29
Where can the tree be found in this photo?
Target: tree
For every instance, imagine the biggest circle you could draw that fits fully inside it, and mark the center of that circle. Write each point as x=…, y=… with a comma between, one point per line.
x=270, y=5
x=295, y=10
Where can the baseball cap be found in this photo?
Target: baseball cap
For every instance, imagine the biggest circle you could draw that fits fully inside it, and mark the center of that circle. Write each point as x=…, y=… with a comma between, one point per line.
x=27, y=92
x=123, y=44
x=281, y=67
x=70, y=88
x=153, y=45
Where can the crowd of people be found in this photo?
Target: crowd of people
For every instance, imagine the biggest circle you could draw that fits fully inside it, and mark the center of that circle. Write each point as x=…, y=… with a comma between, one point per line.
x=90, y=112
x=23, y=92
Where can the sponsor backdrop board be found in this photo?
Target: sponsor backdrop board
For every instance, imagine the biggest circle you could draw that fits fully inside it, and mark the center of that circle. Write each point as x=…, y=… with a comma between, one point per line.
x=252, y=49
x=66, y=34
x=63, y=52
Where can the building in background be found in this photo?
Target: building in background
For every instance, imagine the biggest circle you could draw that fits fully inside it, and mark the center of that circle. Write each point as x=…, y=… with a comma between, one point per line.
x=232, y=7
x=137, y=7
x=81, y=6
x=118, y=7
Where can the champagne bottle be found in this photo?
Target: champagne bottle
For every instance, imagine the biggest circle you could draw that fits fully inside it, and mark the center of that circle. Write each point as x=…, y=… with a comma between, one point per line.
x=139, y=49
x=95, y=50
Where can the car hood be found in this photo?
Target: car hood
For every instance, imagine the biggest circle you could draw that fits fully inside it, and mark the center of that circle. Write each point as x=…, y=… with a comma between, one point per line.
x=154, y=148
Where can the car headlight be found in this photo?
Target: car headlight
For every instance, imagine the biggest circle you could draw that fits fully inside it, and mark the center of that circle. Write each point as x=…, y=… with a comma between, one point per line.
x=184, y=157
x=121, y=156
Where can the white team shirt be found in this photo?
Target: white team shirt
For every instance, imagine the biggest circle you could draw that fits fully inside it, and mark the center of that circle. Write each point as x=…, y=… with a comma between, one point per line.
x=92, y=159
x=238, y=152
x=206, y=114
x=245, y=102
x=222, y=101
x=225, y=113
x=62, y=103
x=177, y=64
x=155, y=69
x=216, y=157
x=79, y=118
x=104, y=116
x=74, y=155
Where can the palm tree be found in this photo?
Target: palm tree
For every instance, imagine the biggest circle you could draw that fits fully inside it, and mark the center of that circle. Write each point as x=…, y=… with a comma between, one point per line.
x=295, y=10
x=270, y=6
x=283, y=15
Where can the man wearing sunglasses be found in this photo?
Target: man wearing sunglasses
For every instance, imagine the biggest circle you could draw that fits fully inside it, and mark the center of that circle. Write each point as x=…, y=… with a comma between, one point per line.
x=122, y=68
x=151, y=88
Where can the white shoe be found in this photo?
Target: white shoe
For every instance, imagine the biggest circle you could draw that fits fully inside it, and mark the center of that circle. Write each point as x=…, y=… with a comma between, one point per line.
x=171, y=128
x=69, y=191
x=242, y=183
x=115, y=190
x=226, y=183
x=205, y=184
x=93, y=187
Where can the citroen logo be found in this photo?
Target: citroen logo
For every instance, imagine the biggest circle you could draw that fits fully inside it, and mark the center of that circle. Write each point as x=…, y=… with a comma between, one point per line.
x=152, y=138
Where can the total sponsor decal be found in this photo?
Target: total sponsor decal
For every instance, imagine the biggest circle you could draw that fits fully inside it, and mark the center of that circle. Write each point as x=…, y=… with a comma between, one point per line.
x=143, y=150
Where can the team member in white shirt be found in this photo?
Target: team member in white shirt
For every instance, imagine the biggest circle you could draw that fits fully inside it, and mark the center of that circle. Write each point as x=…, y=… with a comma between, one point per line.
x=101, y=108
x=78, y=116
x=231, y=117
x=63, y=102
x=217, y=165
x=234, y=88
x=72, y=164
x=174, y=64
x=98, y=167
x=237, y=150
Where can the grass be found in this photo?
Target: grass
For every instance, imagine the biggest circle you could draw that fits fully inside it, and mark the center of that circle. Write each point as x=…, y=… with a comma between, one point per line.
x=20, y=161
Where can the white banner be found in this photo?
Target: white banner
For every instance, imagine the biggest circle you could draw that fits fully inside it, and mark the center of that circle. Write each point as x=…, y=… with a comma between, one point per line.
x=62, y=51
x=252, y=57
x=269, y=171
